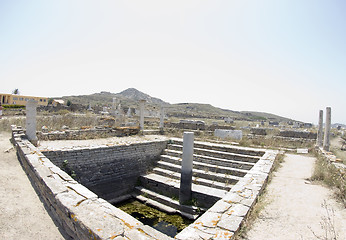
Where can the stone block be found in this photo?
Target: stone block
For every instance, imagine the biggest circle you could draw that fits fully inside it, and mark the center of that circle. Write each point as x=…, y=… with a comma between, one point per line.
x=230, y=222
x=238, y=210
x=220, y=207
x=193, y=233
x=208, y=219
x=232, y=134
x=81, y=190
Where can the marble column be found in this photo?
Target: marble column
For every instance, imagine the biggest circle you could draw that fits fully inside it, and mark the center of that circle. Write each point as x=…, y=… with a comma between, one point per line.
x=319, y=141
x=186, y=168
x=141, y=117
x=30, y=122
x=162, y=116
x=326, y=142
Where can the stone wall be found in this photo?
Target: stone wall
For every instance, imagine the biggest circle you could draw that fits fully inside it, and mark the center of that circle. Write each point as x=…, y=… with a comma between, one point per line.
x=86, y=134
x=196, y=125
x=77, y=210
x=232, y=134
x=110, y=172
x=297, y=134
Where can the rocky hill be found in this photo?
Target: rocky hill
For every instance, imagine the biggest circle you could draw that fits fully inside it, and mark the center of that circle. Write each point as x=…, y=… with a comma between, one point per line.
x=135, y=95
x=130, y=98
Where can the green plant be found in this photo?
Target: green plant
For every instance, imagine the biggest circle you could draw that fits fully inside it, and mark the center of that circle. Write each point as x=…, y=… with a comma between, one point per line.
x=13, y=106
x=68, y=169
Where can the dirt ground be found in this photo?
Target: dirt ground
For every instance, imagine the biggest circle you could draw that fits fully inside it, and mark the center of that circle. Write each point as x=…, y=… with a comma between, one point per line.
x=22, y=214
x=293, y=206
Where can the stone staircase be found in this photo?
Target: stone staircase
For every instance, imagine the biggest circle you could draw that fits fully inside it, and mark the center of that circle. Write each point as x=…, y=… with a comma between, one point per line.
x=216, y=168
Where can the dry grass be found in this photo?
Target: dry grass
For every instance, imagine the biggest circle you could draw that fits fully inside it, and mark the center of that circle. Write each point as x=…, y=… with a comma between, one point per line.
x=270, y=142
x=329, y=175
x=335, y=148
x=54, y=122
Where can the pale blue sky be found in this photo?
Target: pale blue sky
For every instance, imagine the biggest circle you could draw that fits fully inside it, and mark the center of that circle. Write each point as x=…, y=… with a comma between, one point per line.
x=285, y=57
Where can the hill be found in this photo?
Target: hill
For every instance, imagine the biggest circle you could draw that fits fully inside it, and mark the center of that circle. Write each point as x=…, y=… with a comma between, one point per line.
x=130, y=98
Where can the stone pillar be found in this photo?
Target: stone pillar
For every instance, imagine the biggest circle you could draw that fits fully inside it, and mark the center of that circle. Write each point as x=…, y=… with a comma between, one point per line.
x=162, y=116
x=129, y=112
x=186, y=168
x=30, y=123
x=114, y=106
x=326, y=142
x=141, y=117
x=320, y=130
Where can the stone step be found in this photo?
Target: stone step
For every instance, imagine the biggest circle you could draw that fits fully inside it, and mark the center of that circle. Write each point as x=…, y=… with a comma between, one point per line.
x=166, y=204
x=204, y=196
x=195, y=180
x=213, y=160
x=222, y=147
x=206, y=166
x=220, y=177
x=217, y=154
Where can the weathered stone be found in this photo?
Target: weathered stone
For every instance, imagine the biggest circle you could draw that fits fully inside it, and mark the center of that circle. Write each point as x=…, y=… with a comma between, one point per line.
x=186, y=169
x=141, y=117
x=319, y=141
x=326, y=142
x=230, y=222
x=232, y=134
x=238, y=210
x=209, y=219
x=220, y=207
x=193, y=233
x=31, y=106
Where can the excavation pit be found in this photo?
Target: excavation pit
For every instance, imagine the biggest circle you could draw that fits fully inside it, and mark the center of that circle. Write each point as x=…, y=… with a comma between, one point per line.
x=226, y=183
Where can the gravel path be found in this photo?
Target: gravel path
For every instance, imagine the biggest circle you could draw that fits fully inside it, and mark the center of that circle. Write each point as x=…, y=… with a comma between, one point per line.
x=22, y=214
x=293, y=206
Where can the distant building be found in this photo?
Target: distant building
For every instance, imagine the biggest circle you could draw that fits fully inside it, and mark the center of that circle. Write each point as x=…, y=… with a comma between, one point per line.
x=13, y=99
x=57, y=102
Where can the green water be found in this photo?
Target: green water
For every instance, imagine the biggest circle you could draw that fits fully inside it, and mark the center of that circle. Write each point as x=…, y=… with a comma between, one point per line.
x=169, y=224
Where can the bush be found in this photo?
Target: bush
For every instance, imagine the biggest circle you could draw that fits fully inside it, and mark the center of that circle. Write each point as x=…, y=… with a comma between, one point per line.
x=13, y=106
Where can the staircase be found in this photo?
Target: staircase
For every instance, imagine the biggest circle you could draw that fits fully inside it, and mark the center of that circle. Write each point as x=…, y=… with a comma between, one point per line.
x=216, y=168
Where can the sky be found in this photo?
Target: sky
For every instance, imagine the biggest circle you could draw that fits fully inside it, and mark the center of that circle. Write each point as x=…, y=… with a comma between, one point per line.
x=284, y=57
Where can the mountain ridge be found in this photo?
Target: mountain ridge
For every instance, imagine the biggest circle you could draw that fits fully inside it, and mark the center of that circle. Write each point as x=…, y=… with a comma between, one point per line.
x=130, y=97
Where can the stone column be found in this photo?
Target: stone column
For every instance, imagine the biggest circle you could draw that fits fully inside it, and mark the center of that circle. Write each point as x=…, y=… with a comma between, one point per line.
x=114, y=106
x=162, y=116
x=319, y=141
x=186, y=168
x=326, y=142
x=30, y=123
x=141, y=117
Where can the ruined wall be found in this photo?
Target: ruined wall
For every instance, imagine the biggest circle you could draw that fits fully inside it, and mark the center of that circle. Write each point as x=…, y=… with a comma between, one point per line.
x=297, y=134
x=87, y=133
x=76, y=209
x=110, y=172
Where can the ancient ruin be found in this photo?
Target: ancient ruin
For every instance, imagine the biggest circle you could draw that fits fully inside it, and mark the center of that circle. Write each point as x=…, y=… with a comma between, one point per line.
x=213, y=184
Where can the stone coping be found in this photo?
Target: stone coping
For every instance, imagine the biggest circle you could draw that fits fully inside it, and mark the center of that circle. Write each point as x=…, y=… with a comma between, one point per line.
x=83, y=215
x=224, y=218
x=80, y=212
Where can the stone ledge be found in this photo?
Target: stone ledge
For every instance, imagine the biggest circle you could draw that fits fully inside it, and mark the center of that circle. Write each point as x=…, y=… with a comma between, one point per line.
x=223, y=220
x=83, y=215
x=80, y=212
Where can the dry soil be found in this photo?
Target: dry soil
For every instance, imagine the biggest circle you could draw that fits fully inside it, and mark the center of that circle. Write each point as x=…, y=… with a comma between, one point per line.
x=293, y=205
x=22, y=214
